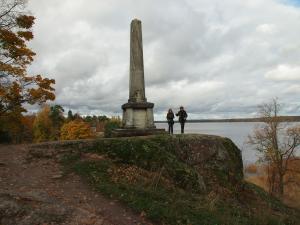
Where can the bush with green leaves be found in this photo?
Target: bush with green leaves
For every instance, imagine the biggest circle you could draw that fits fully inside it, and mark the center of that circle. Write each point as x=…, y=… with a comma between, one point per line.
x=113, y=123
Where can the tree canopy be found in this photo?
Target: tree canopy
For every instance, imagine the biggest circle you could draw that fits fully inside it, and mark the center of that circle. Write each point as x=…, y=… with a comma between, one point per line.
x=17, y=87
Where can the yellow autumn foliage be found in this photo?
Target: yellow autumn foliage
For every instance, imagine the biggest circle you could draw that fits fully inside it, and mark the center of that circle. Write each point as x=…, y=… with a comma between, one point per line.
x=76, y=129
x=42, y=126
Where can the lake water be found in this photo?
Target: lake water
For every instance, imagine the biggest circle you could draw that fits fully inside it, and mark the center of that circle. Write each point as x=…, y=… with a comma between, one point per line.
x=238, y=132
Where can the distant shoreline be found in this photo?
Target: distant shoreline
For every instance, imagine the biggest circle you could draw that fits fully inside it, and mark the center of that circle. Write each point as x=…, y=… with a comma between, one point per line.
x=281, y=118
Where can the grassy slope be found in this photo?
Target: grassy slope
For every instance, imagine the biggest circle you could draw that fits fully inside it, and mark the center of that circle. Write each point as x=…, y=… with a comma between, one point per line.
x=147, y=175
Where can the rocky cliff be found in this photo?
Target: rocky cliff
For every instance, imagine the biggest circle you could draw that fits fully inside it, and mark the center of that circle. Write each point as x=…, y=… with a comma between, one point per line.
x=207, y=159
x=180, y=179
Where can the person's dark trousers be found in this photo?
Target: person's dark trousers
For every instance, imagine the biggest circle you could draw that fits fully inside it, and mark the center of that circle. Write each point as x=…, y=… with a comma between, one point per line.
x=182, y=127
x=170, y=128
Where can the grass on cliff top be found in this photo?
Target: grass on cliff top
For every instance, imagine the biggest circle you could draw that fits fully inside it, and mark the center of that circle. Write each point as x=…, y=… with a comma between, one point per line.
x=151, y=180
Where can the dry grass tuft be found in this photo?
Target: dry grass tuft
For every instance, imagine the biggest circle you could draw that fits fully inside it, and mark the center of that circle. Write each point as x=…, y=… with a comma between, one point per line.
x=135, y=175
x=292, y=178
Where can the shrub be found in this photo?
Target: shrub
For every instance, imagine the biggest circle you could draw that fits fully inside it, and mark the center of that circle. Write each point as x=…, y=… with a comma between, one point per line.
x=113, y=123
x=76, y=129
x=42, y=126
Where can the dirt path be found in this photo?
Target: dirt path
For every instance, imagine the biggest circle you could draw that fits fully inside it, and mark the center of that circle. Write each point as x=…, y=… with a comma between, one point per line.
x=35, y=192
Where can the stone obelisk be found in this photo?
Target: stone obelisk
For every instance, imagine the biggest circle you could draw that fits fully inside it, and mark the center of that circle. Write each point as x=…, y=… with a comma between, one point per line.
x=137, y=112
x=136, y=80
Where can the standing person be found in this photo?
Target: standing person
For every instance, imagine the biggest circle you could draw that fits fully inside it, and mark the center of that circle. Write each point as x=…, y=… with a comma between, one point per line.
x=170, y=119
x=182, y=118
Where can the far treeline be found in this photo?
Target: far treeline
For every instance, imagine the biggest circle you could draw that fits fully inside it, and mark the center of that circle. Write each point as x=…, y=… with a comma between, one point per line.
x=51, y=124
x=259, y=119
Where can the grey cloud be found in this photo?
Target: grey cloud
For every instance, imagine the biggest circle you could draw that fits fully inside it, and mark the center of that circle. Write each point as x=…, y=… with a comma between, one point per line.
x=211, y=56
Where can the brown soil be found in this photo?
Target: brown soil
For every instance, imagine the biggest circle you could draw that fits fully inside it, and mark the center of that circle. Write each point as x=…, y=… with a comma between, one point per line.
x=37, y=192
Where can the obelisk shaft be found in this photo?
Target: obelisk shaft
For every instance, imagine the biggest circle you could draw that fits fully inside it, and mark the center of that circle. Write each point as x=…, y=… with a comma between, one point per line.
x=136, y=80
x=138, y=116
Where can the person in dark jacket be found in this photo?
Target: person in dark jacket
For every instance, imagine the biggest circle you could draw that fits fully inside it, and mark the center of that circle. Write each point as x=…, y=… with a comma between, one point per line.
x=170, y=119
x=182, y=118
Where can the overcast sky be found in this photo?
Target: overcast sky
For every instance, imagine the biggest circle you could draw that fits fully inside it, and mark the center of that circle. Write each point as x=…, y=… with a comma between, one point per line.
x=219, y=59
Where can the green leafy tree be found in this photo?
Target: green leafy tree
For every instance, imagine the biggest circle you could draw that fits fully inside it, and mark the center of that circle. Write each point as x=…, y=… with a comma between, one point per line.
x=70, y=115
x=103, y=118
x=57, y=117
x=113, y=123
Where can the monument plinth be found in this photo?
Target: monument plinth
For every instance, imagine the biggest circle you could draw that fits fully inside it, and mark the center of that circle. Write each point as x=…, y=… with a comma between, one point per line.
x=137, y=112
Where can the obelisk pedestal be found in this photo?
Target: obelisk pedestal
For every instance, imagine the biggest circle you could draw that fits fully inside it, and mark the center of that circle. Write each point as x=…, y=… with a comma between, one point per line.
x=137, y=113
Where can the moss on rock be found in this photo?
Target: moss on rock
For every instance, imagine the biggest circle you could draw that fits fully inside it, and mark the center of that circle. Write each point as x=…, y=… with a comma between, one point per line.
x=179, y=179
x=192, y=161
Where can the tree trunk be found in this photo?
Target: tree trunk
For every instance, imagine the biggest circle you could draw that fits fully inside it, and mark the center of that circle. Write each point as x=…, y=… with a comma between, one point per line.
x=281, y=185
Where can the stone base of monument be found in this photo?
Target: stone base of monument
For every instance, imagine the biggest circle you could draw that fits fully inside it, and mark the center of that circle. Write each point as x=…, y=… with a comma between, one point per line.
x=137, y=120
x=138, y=115
x=137, y=132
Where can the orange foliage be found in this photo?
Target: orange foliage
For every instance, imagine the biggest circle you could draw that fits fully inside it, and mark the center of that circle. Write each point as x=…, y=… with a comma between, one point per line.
x=16, y=86
x=27, y=122
x=100, y=126
x=251, y=168
x=76, y=129
x=291, y=194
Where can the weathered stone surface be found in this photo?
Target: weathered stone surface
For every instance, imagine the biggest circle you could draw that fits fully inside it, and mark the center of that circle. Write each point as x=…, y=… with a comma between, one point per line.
x=214, y=157
x=217, y=160
x=136, y=132
x=136, y=82
x=140, y=105
x=137, y=113
x=138, y=118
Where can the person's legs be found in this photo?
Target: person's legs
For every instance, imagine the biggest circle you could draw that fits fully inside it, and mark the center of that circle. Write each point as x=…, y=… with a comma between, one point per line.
x=171, y=128
x=182, y=127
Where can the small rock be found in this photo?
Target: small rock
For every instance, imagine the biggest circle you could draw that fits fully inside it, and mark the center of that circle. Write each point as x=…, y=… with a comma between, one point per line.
x=143, y=214
x=57, y=176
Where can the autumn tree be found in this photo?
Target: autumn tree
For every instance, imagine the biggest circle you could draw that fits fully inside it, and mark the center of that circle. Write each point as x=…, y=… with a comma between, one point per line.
x=276, y=144
x=76, y=129
x=57, y=118
x=43, y=126
x=17, y=87
x=27, y=127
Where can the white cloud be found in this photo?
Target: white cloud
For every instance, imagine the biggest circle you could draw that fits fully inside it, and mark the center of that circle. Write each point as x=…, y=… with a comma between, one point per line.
x=266, y=28
x=293, y=89
x=284, y=73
